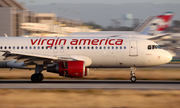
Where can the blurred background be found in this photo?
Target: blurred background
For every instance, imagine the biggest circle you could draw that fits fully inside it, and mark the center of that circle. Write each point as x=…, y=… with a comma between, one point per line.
x=62, y=18
x=67, y=17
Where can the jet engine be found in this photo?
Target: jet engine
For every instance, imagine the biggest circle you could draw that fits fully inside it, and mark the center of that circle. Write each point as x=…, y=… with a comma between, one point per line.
x=69, y=69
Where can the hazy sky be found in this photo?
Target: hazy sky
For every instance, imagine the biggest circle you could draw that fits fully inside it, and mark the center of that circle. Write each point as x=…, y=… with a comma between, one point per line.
x=103, y=13
x=37, y=2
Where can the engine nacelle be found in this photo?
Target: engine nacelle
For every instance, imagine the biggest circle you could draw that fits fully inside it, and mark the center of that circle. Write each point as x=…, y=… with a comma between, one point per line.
x=86, y=71
x=69, y=69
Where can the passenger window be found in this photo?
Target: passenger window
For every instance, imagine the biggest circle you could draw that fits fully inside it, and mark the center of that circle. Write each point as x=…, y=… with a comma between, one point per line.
x=34, y=47
x=116, y=47
x=92, y=47
x=87, y=47
x=30, y=47
x=120, y=47
x=17, y=47
x=100, y=47
x=55, y=47
x=79, y=47
x=42, y=47
x=14, y=47
x=104, y=47
x=68, y=47
x=26, y=47
x=112, y=47
x=108, y=47
x=96, y=47
x=46, y=47
x=9, y=47
x=61, y=47
x=22, y=47
x=1, y=47
x=149, y=47
x=38, y=47
x=72, y=47
x=84, y=47
x=124, y=47
x=5, y=47
x=76, y=47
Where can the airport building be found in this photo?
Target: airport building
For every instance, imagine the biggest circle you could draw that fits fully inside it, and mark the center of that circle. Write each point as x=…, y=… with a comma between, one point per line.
x=16, y=20
x=128, y=20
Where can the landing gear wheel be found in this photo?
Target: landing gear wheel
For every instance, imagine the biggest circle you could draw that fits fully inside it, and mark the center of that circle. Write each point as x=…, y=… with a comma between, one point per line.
x=35, y=78
x=132, y=70
x=41, y=76
x=133, y=79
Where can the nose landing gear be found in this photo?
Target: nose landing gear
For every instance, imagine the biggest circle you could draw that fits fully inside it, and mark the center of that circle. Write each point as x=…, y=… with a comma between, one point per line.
x=133, y=78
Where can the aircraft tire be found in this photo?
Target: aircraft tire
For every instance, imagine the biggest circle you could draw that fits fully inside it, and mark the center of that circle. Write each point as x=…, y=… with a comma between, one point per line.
x=133, y=79
x=41, y=76
x=35, y=78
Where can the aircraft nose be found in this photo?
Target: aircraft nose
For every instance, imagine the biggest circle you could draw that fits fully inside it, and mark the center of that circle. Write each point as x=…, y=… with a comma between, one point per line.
x=168, y=57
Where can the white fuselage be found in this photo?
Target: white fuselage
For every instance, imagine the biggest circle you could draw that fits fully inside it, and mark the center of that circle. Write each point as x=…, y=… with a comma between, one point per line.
x=120, y=34
x=97, y=52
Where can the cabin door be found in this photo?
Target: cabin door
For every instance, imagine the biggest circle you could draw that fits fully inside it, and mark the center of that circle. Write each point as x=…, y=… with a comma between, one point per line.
x=133, y=50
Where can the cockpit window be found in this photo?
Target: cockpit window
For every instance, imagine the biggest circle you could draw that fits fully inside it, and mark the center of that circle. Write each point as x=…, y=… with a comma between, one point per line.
x=153, y=47
x=158, y=46
x=149, y=47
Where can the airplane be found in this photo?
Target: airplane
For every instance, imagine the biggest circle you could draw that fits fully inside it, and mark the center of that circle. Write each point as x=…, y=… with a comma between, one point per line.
x=152, y=28
x=73, y=56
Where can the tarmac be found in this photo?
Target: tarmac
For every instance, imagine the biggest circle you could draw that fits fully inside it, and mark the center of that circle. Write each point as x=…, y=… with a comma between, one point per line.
x=90, y=84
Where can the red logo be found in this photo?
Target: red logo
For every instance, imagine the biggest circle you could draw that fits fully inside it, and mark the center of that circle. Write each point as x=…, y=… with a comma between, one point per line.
x=51, y=42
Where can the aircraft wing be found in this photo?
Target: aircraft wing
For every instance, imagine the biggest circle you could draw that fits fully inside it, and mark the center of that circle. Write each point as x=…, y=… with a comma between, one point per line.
x=10, y=53
x=28, y=59
x=34, y=59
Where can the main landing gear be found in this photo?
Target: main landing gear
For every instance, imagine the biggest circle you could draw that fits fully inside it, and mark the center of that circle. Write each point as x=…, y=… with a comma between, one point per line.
x=37, y=76
x=133, y=78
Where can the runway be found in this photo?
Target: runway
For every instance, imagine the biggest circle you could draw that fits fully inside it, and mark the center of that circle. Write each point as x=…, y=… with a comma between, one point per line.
x=91, y=84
